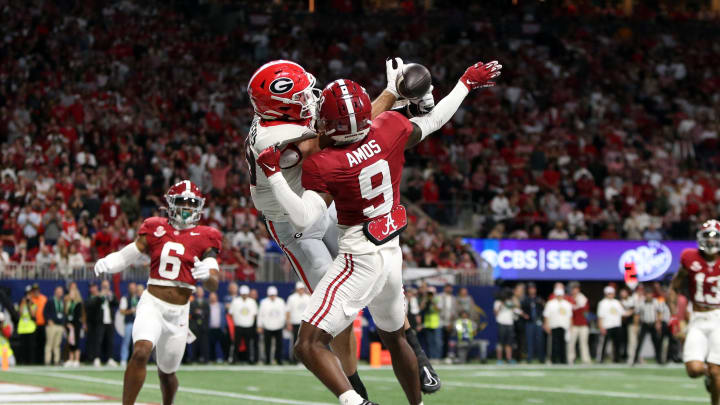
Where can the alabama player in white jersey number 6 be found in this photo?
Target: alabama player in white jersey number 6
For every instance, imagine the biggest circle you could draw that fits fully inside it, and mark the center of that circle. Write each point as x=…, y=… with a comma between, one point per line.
x=181, y=254
x=361, y=173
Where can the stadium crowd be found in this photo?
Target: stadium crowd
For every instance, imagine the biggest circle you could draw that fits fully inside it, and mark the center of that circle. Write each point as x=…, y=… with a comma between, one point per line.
x=234, y=326
x=564, y=327
x=598, y=129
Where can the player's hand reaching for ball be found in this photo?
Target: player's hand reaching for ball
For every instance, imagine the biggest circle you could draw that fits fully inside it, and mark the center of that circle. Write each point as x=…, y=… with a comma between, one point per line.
x=393, y=68
x=201, y=270
x=269, y=161
x=480, y=75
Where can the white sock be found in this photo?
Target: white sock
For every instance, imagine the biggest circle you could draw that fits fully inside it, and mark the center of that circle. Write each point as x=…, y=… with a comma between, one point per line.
x=350, y=398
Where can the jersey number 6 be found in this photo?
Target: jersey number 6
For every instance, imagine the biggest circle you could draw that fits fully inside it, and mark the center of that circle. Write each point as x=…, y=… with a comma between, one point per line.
x=369, y=192
x=170, y=261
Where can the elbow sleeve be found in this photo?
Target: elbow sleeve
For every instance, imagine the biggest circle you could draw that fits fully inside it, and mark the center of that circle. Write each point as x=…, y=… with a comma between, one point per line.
x=443, y=111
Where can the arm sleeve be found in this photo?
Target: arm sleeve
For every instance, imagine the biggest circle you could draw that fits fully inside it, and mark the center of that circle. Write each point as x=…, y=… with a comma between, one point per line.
x=123, y=258
x=302, y=211
x=443, y=111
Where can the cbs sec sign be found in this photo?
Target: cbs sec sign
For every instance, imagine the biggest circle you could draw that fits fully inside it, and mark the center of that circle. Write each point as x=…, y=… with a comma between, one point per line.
x=579, y=260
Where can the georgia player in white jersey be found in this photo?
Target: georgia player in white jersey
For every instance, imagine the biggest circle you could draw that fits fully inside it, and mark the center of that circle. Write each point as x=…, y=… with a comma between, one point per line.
x=284, y=100
x=698, y=278
x=361, y=173
x=181, y=254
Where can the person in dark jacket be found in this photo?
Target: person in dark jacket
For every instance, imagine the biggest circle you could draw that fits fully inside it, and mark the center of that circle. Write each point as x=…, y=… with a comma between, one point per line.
x=55, y=317
x=199, y=316
x=101, y=331
x=532, y=312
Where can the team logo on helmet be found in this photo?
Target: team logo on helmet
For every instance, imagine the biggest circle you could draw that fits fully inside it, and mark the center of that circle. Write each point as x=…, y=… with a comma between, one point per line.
x=281, y=85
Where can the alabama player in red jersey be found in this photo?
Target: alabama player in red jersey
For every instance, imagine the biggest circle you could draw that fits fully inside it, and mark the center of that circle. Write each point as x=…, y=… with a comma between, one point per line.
x=284, y=101
x=361, y=173
x=181, y=254
x=699, y=279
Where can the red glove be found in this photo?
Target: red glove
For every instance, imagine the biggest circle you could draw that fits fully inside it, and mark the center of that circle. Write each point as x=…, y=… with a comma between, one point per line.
x=269, y=161
x=480, y=74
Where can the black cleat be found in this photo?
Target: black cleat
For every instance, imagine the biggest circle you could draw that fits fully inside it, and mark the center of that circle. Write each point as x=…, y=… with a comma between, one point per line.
x=708, y=382
x=429, y=380
x=366, y=402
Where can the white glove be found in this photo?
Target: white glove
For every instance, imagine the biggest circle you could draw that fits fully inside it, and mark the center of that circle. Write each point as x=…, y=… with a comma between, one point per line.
x=101, y=267
x=424, y=104
x=201, y=270
x=392, y=74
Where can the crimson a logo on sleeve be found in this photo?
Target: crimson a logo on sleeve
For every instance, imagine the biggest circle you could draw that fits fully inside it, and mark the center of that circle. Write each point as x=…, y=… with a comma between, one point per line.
x=281, y=85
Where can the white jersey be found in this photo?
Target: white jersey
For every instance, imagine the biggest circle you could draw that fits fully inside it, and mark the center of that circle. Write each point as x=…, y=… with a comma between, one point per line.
x=262, y=136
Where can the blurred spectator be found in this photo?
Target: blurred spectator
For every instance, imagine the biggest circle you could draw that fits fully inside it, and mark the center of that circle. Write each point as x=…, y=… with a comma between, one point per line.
x=27, y=328
x=579, y=330
x=533, y=308
x=271, y=322
x=40, y=300
x=199, y=316
x=74, y=319
x=243, y=310
x=216, y=329
x=465, y=302
x=101, y=332
x=558, y=232
x=609, y=313
x=504, y=309
x=431, y=331
x=296, y=303
x=55, y=318
x=465, y=329
x=558, y=315
x=448, y=313
x=127, y=307
x=629, y=327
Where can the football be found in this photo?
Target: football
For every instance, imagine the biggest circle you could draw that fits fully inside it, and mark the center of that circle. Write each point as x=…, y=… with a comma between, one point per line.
x=414, y=81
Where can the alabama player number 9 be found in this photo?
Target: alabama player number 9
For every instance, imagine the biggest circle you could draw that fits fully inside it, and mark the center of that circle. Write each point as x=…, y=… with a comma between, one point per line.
x=173, y=261
x=369, y=192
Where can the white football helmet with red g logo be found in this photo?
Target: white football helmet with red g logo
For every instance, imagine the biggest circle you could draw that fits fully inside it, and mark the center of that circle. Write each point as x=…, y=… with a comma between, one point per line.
x=185, y=204
x=283, y=90
x=708, y=237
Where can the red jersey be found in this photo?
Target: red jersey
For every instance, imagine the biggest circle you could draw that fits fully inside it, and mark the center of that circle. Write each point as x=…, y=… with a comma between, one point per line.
x=580, y=306
x=363, y=177
x=173, y=251
x=703, y=278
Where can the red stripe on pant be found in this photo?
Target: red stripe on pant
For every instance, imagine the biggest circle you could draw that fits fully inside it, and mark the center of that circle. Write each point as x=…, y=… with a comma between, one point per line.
x=290, y=256
x=332, y=297
x=325, y=296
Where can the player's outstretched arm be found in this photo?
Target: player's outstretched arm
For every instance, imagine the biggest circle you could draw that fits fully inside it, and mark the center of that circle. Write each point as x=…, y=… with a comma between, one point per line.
x=118, y=261
x=476, y=76
x=302, y=211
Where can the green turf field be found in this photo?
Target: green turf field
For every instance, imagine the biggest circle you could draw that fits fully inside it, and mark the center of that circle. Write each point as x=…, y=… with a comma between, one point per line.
x=491, y=385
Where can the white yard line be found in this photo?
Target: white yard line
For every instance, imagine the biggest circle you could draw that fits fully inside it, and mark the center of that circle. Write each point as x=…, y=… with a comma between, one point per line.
x=576, y=391
x=200, y=391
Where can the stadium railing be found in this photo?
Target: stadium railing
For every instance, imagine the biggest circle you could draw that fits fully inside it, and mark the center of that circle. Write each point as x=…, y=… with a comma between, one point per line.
x=273, y=267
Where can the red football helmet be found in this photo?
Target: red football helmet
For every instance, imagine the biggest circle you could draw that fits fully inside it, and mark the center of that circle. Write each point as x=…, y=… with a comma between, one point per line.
x=344, y=113
x=185, y=204
x=283, y=90
x=708, y=237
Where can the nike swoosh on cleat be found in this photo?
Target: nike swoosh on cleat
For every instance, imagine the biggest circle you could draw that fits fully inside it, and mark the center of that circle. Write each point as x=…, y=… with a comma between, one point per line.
x=430, y=381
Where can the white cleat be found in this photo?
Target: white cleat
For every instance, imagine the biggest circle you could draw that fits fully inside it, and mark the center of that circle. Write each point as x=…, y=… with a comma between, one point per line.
x=112, y=363
x=97, y=363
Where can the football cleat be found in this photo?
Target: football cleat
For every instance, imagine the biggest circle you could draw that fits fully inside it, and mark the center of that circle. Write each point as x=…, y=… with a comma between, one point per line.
x=429, y=380
x=366, y=402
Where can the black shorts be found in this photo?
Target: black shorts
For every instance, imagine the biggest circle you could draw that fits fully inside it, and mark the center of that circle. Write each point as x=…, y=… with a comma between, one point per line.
x=506, y=334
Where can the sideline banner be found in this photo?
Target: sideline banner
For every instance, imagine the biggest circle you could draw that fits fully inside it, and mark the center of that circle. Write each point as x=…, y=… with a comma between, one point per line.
x=579, y=260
